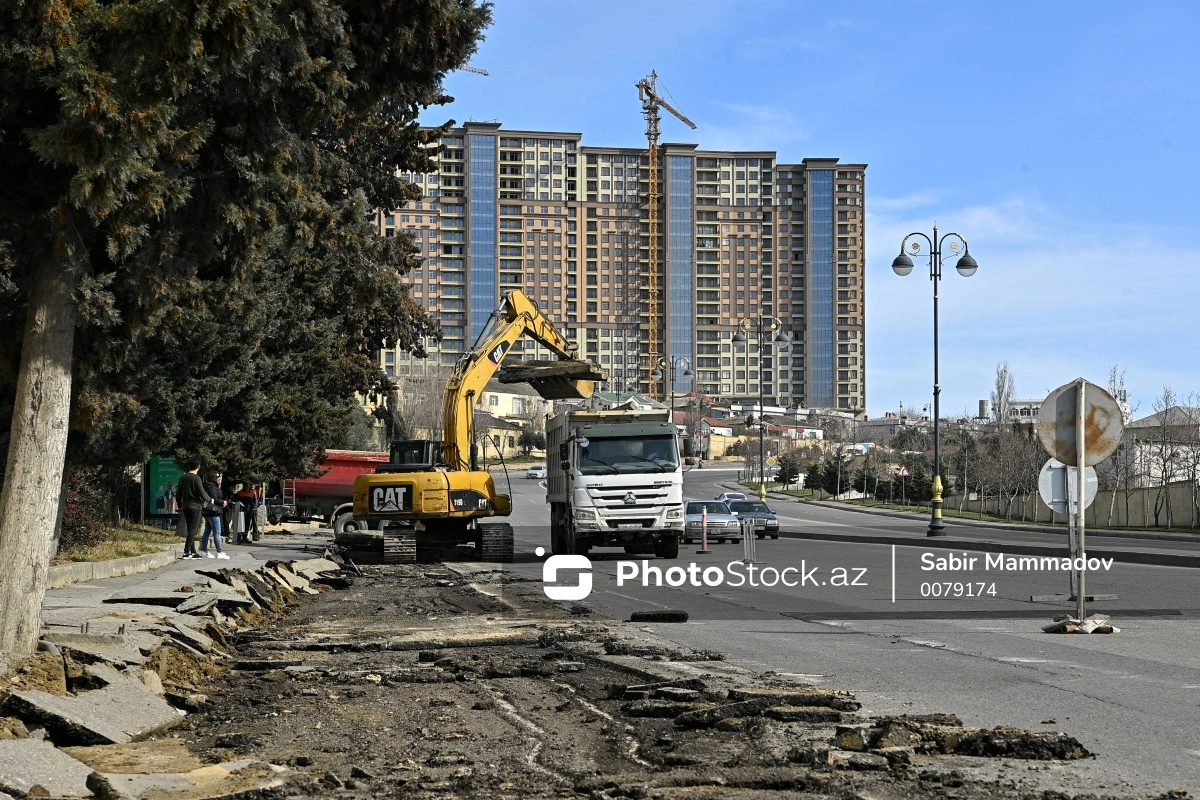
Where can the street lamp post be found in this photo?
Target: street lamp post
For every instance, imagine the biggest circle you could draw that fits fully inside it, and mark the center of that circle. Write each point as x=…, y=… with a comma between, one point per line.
x=668, y=366
x=966, y=266
x=759, y=329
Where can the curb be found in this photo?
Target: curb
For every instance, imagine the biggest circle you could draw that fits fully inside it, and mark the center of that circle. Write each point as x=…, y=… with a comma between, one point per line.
x=944, y=543
x=83, y=571
x=1004, y=526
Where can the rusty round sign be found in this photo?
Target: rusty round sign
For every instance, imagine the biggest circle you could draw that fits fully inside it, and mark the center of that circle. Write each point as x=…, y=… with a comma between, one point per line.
x=1103, y=424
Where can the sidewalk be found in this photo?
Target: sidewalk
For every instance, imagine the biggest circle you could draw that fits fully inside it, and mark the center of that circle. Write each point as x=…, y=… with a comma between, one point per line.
x=120, y=661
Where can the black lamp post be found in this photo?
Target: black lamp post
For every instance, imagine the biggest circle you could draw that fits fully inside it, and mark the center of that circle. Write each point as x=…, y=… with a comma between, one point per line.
x=966, y=266
x=670, y=365
x=759, y=329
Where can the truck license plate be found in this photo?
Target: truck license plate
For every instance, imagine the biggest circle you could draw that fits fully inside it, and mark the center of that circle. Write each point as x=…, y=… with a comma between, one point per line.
x=628, y=526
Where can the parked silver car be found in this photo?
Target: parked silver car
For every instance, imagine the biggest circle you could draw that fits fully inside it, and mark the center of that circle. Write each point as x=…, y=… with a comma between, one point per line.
x=765, y=521
x=722, y=524
x=726, y=497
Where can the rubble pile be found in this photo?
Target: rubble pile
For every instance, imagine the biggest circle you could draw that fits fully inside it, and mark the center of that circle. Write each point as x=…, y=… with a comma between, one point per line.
x=78, y=719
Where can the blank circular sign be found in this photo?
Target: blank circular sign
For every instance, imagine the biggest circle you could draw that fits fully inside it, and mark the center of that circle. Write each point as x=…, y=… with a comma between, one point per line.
x=1102, y=424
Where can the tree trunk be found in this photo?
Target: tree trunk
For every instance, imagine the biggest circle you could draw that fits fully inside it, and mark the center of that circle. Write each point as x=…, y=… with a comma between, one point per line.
x=29, y=502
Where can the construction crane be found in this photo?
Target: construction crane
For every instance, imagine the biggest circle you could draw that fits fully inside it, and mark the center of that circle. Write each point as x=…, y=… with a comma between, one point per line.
x=476, y=70
x=651, y=102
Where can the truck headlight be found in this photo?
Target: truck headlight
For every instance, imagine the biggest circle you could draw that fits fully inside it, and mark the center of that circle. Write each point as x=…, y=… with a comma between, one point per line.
x=585, y=513
x=675, y=513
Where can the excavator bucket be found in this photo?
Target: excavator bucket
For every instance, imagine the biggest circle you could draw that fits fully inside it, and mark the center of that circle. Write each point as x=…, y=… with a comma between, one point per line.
x=555, y=380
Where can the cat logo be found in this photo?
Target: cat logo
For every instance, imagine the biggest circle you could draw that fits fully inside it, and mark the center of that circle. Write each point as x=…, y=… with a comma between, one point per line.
x=391, y=498
x=497, y=354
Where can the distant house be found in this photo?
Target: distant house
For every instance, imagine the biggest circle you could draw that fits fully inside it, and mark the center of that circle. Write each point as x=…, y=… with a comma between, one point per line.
x=1166, y=445
x=512, y=401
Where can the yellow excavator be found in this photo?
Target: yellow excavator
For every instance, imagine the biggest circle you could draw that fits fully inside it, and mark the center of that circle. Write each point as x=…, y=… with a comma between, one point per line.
x=432, y=493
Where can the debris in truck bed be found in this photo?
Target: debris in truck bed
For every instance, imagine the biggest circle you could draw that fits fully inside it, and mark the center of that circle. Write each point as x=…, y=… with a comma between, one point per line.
x=555, y=380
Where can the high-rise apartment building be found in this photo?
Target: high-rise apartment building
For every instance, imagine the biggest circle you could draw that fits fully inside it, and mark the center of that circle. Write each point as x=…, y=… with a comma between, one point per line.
x=741, y=236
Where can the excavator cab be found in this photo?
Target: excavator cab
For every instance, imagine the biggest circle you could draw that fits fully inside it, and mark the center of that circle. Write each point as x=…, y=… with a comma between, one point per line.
x=412, y=455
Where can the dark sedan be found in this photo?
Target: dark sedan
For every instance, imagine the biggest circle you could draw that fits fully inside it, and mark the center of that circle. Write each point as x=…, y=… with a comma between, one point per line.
x=765, y=521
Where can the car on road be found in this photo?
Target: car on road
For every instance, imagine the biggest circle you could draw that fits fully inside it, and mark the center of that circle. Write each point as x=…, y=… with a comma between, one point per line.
x=725, y=497
x=722, y=524
x=536, y=471
x=765, y=521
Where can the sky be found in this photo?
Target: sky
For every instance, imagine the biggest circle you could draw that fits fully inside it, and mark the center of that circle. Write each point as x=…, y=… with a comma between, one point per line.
x=1057, y=138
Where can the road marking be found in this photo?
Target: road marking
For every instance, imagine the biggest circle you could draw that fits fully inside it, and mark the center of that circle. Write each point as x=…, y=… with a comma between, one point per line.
x=894, y=571
x=635, y=599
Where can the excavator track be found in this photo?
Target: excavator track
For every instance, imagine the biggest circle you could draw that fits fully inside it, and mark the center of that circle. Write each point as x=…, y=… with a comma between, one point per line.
x=495, y=543
x=379, y=547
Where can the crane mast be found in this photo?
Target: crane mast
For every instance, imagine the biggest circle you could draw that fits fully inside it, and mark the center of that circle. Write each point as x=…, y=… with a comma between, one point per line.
x=651, y=102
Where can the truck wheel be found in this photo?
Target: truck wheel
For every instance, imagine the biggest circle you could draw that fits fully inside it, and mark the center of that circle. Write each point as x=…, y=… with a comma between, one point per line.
x=667, y=547
x=346, y=522
x=272, y=519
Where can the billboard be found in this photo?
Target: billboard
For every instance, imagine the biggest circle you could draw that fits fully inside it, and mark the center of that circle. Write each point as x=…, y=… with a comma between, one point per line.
x=160, y=486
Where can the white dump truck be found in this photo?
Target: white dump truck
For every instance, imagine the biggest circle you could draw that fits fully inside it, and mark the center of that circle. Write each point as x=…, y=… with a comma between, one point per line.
x=614, y=479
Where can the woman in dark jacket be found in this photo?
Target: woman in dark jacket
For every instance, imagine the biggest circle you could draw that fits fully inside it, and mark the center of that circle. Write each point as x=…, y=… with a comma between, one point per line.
x=212, y=516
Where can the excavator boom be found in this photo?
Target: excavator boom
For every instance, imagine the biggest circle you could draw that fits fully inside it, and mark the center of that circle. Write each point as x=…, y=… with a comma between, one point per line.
x=516, y=316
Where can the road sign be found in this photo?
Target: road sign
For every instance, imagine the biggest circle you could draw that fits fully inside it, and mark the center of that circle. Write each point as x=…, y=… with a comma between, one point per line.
x=902, y=473
x=1057, y=482
x=1056, y=425
x=771, y=461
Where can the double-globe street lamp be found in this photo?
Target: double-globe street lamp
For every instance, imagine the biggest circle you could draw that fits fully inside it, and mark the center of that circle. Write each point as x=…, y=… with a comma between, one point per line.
x=759, y=329
x=966, y=266
x=668, y=366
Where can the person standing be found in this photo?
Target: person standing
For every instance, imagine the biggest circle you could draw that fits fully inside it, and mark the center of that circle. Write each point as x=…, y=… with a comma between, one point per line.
x=212, y=516
x=191, y=497
x=248, y=496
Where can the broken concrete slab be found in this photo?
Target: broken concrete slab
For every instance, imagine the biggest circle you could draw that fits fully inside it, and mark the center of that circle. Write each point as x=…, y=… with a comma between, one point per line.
x=199, y=603
x=123, y=711
x=799, y=696
x=231, y=779
x=27, y=764
x=662, y=708
x=162, y=755
x=116, y=650
x=711, y=716
x=314, y=567
x=811, y=714
x=146, y=596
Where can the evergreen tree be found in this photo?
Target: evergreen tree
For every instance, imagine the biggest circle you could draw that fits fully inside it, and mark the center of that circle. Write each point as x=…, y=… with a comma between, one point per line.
x=185, y=253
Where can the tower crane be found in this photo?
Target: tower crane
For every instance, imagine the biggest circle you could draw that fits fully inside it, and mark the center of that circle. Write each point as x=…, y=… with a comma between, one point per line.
x=476, y=70
x=651, y=102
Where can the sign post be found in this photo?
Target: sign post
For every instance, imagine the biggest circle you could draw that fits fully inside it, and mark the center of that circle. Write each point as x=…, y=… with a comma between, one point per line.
x=1057, y=486
x=1080, y=424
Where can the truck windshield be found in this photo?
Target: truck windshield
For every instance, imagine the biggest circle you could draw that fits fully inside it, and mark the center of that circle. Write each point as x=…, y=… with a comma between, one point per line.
x=605, y=456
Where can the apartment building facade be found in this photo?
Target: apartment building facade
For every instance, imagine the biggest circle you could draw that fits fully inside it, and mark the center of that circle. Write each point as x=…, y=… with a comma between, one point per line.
x=742, y=236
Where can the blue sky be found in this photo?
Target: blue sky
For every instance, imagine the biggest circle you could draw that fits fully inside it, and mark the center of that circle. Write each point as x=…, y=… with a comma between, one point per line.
x=1058, y=138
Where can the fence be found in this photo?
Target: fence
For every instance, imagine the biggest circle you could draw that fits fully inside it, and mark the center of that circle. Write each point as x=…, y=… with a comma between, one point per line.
x=1121, y=509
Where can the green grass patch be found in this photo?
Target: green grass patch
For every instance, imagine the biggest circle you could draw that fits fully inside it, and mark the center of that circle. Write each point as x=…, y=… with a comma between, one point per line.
x=120, y=542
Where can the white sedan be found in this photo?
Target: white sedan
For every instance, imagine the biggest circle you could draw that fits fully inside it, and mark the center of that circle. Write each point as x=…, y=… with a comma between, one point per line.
x=536, y=471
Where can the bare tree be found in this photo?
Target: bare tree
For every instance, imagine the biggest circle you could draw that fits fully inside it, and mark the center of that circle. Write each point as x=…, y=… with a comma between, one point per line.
x=1117, y=473
x=1003, y=393
x=1189, y=440
x=1163, y=453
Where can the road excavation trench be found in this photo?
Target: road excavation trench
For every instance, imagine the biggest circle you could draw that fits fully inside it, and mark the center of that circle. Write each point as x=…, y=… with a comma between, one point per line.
x=417, y=682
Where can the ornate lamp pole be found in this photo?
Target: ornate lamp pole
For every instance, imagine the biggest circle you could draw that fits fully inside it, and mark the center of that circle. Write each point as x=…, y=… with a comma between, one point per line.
x=966, y=266
x=666, y=365
x=758, y=329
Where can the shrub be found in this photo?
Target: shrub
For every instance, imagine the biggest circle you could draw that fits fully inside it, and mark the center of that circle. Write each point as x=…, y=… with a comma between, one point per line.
x=86, y=512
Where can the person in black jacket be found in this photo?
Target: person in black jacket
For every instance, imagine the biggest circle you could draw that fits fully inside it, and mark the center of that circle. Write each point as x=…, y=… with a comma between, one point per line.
x=192, y=497
x=212, y=516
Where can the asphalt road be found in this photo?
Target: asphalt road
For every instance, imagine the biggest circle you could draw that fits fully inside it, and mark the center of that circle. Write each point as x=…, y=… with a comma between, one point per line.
x=865, y=616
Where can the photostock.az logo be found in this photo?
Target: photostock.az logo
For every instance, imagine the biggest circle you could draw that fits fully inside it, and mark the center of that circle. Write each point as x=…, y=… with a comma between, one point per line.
x=550, y=576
